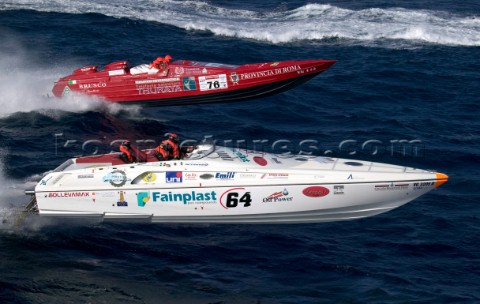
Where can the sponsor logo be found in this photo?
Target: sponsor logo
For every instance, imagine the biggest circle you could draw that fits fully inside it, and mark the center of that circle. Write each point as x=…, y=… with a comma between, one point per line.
x=274, y=64
x=423, y=185
x=242, y=157
x=247, y=175
x=227, y=175
x=159, y=88
x=206, y=176
x=80, y=176
x=148, y=81
x=149, y=177
x=224, y=155
x=70, y=82
x=66, y=91
x=315, y=191
x=275, y=176
x=179, y=70
x=189, y=83
x=388, y=187
x=280, y=196
x=276, y=160
x=338, y=189
x=193, y=197
x=143, y=198
x=97, y=85
x=196, y=164
x=173, y=177
x=267, y=73
x=234, y=78
x=121, y=201
x=190, y=176
x=45, y=181
x=69, y=194
x=116, y=178
x=260, y=160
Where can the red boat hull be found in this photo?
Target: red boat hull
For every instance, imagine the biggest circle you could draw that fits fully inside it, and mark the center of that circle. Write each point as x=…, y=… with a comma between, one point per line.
x=187, y=82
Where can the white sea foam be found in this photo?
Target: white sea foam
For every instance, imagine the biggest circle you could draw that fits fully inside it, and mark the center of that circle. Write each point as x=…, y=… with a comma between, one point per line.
x=306, y=23
x=26, y=86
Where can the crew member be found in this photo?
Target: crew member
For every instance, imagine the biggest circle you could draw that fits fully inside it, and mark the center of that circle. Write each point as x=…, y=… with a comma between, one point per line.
x=172, y=142
x=162, y=152
x=127, y=154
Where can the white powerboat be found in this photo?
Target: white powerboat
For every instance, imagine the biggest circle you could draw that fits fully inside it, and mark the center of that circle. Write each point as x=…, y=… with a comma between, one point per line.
x=225, y=185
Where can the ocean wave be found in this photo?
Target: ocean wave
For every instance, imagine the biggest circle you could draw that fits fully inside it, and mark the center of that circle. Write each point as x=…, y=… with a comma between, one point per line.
x=311, y=22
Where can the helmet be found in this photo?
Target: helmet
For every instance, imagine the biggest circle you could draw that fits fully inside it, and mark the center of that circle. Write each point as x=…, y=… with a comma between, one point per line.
x=173, y=137
x=168, y=58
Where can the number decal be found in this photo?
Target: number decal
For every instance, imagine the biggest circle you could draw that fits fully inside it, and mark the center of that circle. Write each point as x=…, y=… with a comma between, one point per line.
x=234, y=197
x=213, y=82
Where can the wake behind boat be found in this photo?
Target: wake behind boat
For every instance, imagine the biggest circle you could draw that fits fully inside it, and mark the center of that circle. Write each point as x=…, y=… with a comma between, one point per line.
x=183, y=82
x=223, y=185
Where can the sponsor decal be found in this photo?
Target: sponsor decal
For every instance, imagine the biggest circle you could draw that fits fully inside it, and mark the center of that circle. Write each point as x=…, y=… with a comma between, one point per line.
x=242, y=157
x=275, y=176
x=196, y=164
x=423, y=185
x=206, y=176
x=80, y=176
x=70, y=82
x=179, y=70
x=224, y=155
x=353, y=164
x=95, y=85
x=280, y=196
x=204, y=71
x=116, y=72
x=189, y=83
x=190, y=176
x=268, y=73
x=274, y=64
x=44, y=182
x=315, y=191
x=194, y=197
x=121, y=201
x=226, y=175
x=234, y=78
x=143, y=198
x=260, y=160
x=338, y=189
x=66, y=91
x=69, y=194
x=161, y=88
x=213, y=82
x=149, y=81
x=235, y=196
x=116, y=178
x=247, y=175
x=149, y=177
x=391, y=186
x=276, y=160
x=173, y=177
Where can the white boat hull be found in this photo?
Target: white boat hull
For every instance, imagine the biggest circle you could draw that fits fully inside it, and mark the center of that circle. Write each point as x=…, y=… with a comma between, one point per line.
x=241, y=190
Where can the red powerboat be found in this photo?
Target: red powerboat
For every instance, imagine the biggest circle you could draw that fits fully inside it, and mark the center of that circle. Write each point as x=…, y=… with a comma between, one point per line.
x=183, y=82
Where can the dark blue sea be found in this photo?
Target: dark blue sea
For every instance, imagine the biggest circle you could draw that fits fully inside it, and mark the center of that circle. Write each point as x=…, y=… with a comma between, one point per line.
x=405, y=90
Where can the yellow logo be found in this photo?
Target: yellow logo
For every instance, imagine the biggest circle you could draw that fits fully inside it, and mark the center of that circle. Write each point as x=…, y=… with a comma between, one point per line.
x=149, y=177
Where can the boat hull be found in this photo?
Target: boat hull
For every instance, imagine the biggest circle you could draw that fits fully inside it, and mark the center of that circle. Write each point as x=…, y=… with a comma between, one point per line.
x=188, y=82
x=227, y=185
